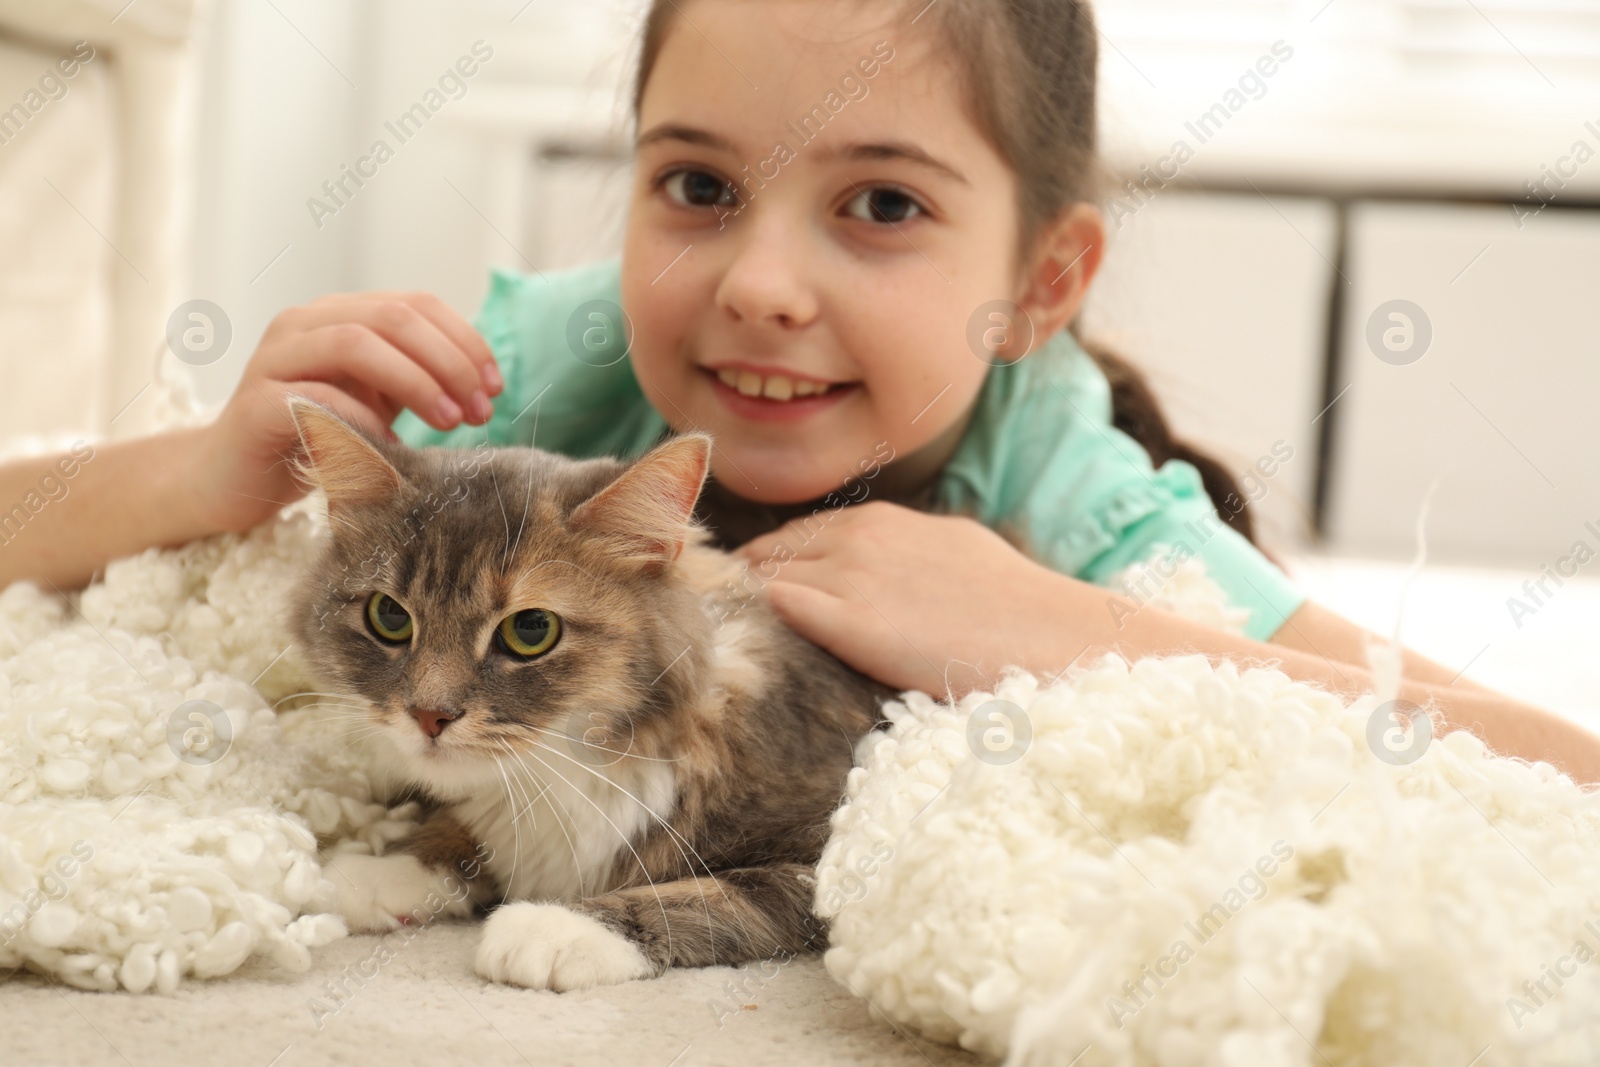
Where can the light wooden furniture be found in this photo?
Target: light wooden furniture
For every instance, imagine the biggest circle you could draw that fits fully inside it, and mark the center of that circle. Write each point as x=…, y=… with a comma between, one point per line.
x=92, y=191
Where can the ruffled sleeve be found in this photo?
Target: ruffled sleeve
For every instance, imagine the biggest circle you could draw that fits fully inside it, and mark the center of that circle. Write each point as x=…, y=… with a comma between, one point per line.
x=1043, y=462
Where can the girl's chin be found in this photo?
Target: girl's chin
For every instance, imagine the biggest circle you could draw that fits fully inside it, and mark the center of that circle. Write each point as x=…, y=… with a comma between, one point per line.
x=764, y=478
x=778, y=461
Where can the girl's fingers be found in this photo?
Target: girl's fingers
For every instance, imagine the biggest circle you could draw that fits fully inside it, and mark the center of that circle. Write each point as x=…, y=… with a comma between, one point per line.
x=815, y=574
x=462, y=333
x=811, y=613
x=342, y=403
x=791, y=535
x=351, y=350
x=412, y=333
x=450, y=324
x=380, y=405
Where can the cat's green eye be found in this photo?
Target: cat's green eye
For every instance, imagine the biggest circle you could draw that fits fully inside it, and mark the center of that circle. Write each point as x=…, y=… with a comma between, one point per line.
x=388, y=619
x=529, y=633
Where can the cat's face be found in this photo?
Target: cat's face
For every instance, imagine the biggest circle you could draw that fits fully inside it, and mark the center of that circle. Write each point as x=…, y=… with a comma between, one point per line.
x=501, y=603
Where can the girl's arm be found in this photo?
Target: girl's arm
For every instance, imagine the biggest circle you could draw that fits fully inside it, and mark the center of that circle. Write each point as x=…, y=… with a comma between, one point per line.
x=1507, y=726
x=1315, y=630
x=365, y=355
x=942, y=603
x=95, y=503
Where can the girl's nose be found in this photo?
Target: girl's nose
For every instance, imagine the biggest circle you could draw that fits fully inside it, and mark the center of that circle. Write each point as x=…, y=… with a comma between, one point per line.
x=765, y=284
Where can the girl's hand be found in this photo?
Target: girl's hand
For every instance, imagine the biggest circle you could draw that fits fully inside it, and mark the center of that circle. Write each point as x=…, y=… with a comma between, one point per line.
x=366, y=356
x=920, y=601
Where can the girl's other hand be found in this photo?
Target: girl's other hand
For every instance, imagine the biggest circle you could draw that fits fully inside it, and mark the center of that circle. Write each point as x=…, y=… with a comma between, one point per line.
x=919, y=601
x=366, y=356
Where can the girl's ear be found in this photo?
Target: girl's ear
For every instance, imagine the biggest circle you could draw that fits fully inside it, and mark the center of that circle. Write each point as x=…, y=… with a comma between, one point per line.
x=1066, y=257
x=339, y=459
x=647, y=510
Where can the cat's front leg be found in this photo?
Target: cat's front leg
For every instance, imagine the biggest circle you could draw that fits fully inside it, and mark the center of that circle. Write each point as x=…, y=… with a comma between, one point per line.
x=734, y=917
x=552, y=946
x=436, y=873
x=382, y=893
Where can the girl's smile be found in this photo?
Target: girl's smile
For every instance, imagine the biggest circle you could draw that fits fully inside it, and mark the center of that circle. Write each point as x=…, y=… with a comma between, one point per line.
x=752, y=391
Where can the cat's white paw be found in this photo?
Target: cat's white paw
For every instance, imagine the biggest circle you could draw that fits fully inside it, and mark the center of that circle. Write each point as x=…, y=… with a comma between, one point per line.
x=382, y=893
x=547, y=946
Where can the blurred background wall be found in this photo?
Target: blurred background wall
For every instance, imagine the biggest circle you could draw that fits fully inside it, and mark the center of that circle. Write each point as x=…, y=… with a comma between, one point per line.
x=1378, y=245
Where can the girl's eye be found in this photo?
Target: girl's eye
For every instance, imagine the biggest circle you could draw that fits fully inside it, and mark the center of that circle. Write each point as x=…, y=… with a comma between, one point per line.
x=529, y=633
x=698, y=188
x=882, y=204
x=390, y=621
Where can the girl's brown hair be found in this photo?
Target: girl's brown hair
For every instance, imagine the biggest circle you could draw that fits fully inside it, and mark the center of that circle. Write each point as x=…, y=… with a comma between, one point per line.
x=1028, y=68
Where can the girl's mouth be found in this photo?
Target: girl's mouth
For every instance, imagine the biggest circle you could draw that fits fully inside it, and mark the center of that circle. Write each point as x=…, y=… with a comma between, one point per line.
x=775, y=397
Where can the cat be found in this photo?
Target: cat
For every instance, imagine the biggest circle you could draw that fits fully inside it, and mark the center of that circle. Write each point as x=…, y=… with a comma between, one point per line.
x=631, y=763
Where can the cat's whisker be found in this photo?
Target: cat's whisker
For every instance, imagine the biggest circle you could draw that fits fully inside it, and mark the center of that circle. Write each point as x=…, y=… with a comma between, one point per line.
x=516, y=832
x=526, y=500
x=356, y=737
x=666, y=920
x=333, y=704
x=340, y=699
x=557, y=811
x=364, y=729
x=528, y=805
x=678, y=840
x=598, y=748
x=675, y=835
x=505, y=553
x=316, y=693
x=555, y=804
x=349, y=721
x=346, y=721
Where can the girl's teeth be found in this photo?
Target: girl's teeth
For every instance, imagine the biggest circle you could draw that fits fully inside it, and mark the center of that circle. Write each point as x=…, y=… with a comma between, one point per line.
x=773, y=387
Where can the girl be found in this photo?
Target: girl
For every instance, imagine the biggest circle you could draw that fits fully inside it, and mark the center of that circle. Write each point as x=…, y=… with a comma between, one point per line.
x=857, y=236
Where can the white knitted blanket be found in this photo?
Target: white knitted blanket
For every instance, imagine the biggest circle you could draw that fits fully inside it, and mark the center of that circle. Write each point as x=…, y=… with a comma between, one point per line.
x=1177, y=864
x=157, y=818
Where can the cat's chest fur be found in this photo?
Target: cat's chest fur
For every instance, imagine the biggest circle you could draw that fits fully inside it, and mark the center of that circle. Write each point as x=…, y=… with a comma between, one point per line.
x=553, y=833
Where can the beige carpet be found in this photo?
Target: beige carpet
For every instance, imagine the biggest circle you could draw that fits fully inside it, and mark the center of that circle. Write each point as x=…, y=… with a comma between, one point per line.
x=423, y=1005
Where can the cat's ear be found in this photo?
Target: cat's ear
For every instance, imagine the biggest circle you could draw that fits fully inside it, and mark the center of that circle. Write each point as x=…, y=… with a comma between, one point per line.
x=340, y=459
x=648, y=508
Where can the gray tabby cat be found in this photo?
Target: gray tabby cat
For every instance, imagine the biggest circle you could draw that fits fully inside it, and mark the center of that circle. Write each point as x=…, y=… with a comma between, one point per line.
x=636, y=766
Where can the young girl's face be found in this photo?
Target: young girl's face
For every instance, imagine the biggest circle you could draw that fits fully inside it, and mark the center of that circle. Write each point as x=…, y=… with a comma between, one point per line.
x=809, y=307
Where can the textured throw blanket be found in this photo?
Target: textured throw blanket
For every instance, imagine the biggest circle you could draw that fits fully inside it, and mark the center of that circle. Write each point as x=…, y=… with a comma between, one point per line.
x=1177, y=864
x=158, y=818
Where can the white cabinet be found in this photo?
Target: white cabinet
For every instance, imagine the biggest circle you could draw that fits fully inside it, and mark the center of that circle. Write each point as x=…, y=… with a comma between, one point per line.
x=1501, y=407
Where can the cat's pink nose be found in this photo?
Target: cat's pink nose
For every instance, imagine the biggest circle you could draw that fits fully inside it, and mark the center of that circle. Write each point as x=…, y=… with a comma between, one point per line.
x=432, y=722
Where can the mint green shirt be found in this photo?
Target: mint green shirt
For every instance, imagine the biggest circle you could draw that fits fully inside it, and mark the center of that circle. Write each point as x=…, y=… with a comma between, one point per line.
x=1040, y=456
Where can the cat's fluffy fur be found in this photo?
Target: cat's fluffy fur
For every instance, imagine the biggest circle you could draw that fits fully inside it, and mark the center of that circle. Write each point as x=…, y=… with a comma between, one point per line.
x=653, y=791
